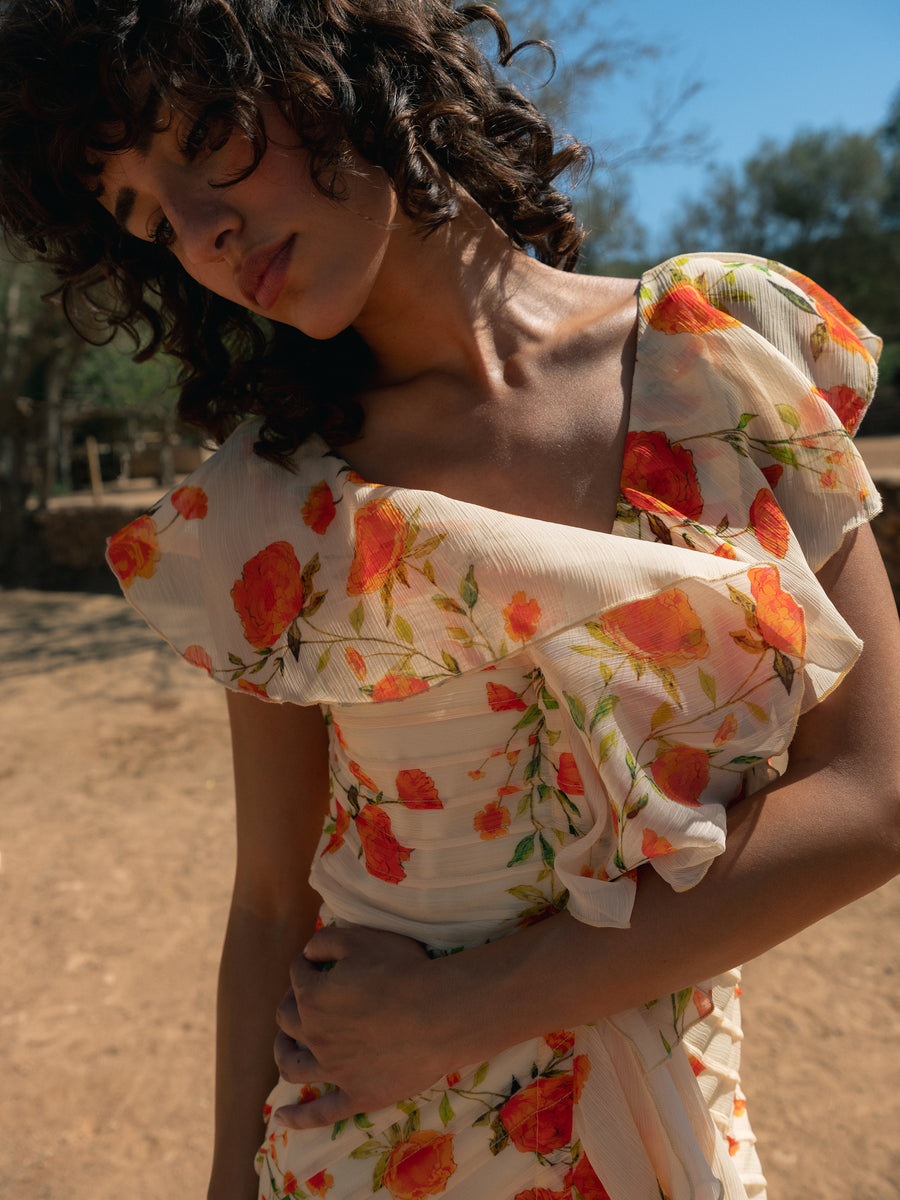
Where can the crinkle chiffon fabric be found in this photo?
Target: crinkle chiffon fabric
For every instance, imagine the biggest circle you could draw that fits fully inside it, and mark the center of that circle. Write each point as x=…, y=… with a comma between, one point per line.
x=523, y=714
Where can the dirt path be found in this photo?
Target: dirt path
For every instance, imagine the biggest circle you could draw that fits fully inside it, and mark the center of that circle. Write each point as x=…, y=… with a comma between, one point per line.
x=117, y=848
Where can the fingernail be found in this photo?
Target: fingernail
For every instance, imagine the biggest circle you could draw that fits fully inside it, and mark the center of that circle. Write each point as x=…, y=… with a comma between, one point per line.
x=278, y=1115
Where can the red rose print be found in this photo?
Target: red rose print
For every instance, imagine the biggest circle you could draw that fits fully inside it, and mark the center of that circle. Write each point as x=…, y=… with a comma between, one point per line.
x=357, y=771
x=847, y=404
x=289, y=1184
x=681, y=773
x=381, y=533
x=341, y=825
x=682, y=308
x=383, y=853
x=420, y=1166
x=504, y=699
x=134, y=551
x=521, y=617
x=768, y=523
x=663, y=629
x=198, y=657
x=269, y=594
x=492, y=822
x=320, y=1184
x=318, y=511
x=560, y=1042
x=654, y=846
x=658, y=475
x=398, y=687
x=568, y=778
x=773, y=473
x=779, y=616
x=543, y=1194
x=415, y=789
x=538, y=1118
x=191, y=502
x=581, y=1069
x=583, y=1181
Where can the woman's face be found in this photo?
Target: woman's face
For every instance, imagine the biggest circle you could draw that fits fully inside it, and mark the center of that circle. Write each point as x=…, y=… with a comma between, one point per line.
x=271, y=242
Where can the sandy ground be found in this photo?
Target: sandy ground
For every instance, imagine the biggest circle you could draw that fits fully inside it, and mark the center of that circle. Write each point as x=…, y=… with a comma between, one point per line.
x=117, y=849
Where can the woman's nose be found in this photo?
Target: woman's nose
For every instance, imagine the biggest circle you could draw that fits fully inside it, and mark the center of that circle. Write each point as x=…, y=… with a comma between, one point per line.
x=205, y=227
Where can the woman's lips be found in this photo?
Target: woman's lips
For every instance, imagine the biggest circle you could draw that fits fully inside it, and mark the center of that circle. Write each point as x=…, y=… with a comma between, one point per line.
x=263, y=273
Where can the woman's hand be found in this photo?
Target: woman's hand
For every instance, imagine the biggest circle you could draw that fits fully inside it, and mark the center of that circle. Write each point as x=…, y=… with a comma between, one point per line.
x=370, y=1024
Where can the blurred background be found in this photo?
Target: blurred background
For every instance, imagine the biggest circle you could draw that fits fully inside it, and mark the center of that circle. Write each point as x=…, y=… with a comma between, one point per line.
x=772, y=129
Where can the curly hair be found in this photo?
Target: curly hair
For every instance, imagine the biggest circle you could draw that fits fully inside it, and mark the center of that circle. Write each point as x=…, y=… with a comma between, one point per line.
x=401, y=82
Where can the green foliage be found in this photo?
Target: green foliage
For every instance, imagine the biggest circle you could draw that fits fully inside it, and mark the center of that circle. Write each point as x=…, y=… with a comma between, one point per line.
x=106, y=377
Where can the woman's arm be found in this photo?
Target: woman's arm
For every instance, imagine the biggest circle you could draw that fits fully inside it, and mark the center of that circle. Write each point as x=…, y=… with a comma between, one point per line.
x=281, y=786
x=823, y=835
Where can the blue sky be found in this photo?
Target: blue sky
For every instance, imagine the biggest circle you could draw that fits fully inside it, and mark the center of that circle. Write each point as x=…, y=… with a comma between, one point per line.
x=768, y=69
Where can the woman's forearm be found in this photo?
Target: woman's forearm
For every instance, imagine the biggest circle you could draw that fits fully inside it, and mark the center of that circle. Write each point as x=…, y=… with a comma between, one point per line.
x=792, y=858
x=252, y=979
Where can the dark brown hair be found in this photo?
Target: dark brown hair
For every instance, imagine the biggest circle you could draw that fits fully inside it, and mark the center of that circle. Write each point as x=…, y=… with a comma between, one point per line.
x=400, y=81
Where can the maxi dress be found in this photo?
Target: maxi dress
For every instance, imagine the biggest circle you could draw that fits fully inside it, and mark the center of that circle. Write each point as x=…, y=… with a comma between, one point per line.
x=522, y=713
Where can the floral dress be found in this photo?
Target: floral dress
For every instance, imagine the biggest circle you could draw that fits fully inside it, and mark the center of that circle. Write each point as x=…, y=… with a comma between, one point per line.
x=522, y=713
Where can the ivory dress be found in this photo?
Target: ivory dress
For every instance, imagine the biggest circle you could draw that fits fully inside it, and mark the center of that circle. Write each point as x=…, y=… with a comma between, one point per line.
x=521, y=714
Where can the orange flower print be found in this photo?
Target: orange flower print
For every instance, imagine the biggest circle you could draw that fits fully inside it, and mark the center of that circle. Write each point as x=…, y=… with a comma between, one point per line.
x=198, y=657
x=134, y=551
x=356, y=663
x=504, y=699
x=581, y=1068
x=740, y=1106
x=733, y=1145
x=492, y=822
x=191, y=502
x=318, y=511
x=289, y=1183
x=253, y=689
x=768, y=523
x=568, y=779
x=357, y=771
x=542, y=1194
x=773, y=473
x=381, y=533
x=398, y=687
x=779, y=616
x=659, y=476
x=521, y=617
x=828, y=480
x=415, y=789
x=839, y=323
x=725, y=550
x=584, y=1182
x=847, y=404
x=726, y=730
x=702, y=1002
x=420, y=1166
x=383, y=853
x=269, y=594
x=683, y=308
x=662, y=629
x=681, y=773
x=341, y=825
x=696, y=1065
x=453, y=1079
x=560, y=1041
x=538, y=1118
x=320, y=1184
x=654, y=846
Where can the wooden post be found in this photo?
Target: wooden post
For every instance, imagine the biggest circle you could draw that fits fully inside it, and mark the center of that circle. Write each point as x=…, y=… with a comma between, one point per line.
x=93, y=457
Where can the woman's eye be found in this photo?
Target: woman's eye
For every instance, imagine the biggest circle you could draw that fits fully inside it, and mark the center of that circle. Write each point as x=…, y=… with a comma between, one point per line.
x=197, y=138
x=162, y=233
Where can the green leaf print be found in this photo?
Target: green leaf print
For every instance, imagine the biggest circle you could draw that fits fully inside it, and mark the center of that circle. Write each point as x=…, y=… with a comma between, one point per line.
x=745, y=420
x=605, y=706
x=357, y=617
x=576, y=709
x=445, y=1109
x=523, y=851
x=781, y=454
x=468, y=588
x=403, y=629
x=795, y=298
x=788, y=415
x=548, y=854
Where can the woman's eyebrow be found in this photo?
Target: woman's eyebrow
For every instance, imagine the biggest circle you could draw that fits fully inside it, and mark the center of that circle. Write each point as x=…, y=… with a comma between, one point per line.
x=124, y=205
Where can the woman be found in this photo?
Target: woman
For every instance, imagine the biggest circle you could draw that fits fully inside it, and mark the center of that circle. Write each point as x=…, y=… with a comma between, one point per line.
x=531, y=667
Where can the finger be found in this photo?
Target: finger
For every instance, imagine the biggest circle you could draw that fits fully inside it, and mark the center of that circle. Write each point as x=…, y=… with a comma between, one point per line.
x=329, y=944
x=287, y=1016
x=295, y=1062
x=333, y=1106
